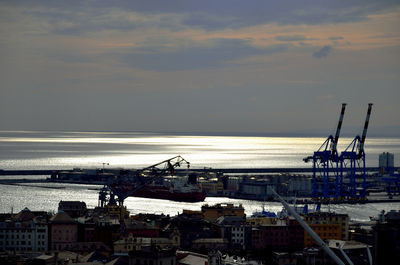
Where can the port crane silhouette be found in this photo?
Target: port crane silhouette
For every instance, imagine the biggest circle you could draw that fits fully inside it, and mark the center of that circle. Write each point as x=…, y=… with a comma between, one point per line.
x=352, y=160
x=116, y=191
x=326, y=175
x=340, y=177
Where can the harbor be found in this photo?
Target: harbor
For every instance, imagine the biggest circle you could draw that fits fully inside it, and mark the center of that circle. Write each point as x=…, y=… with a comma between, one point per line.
x=241, y=184
x=199, y=132
x=237, y=183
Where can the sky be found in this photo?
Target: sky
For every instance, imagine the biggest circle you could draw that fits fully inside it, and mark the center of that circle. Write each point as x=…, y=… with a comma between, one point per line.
x=222, y=66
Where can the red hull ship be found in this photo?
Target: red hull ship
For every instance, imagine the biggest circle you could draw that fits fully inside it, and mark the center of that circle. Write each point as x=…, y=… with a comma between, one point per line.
x=163, y=192
x=174, y=190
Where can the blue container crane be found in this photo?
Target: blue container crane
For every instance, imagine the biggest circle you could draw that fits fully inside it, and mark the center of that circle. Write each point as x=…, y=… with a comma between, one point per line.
x=326, y=170
x=352, y=160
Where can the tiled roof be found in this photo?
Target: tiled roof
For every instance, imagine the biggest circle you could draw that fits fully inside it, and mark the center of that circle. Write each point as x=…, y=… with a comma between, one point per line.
x=62, y=218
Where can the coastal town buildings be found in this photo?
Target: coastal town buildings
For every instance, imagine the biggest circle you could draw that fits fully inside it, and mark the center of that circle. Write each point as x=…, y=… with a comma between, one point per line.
x=213, y=212
x=236, y=231
x=387, y=237
x=24, y=232
x=73, y=208
x=153, y=255
x=329, y=223
x=63, y=231
x=188, y=237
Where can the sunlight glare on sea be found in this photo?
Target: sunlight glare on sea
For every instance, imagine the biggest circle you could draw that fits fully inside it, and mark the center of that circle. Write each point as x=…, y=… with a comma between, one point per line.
x=67, y=150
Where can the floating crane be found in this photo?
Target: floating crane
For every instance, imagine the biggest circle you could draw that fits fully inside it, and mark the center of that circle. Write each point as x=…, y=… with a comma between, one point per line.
x=352, y=160
x=325, y=182
x=121, y=188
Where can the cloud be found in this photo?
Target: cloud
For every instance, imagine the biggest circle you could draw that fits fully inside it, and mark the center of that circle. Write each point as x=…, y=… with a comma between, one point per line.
x=79, y=22
x=77, y=17
x=336, y=38
x=323, y=52
x=291, y=38
x=213, y=53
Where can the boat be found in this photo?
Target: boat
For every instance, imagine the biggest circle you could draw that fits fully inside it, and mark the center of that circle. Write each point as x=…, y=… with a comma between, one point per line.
x=186, y=193
x=174, y=189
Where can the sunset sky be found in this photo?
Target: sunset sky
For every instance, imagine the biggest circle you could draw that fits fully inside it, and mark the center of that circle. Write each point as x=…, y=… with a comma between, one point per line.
x=199, y=66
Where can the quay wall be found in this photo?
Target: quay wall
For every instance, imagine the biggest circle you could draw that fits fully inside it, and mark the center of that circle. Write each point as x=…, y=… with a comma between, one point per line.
x=219, y=170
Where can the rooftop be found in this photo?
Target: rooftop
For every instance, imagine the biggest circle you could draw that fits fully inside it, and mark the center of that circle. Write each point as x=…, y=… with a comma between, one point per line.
x=62, y=218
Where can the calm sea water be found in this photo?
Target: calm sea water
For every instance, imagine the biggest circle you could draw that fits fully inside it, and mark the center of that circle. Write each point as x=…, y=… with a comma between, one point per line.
x=66, y=150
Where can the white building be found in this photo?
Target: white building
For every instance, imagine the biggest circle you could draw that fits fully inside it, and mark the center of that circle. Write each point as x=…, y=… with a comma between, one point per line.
x=300, y=185
x=386, y=162
x=238, y=235
x=24, y=232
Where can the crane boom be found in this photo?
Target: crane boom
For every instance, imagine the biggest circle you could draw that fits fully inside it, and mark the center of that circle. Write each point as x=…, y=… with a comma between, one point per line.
x=329, y=147
x=364, y=134
x=122, y=187
x=339, y=127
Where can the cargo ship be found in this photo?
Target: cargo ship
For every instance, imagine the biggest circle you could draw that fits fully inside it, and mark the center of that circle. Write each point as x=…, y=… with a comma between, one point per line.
x=175, y=189
x=186, y=193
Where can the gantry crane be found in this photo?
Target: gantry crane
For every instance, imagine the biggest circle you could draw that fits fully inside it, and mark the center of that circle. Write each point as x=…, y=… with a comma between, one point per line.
x=352, y=160
x=325, y=182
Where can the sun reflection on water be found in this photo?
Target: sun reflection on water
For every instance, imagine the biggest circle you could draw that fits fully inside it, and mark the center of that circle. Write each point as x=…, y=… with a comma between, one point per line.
x=45, y=150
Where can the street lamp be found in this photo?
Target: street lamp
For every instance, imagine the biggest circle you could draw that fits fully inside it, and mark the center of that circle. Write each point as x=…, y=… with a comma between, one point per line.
x=104, y=165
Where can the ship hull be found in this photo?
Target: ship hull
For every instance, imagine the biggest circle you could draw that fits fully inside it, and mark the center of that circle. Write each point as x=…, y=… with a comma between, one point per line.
x=166, y=194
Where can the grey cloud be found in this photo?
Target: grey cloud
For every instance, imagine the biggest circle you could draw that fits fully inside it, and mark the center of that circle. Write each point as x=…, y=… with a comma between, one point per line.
x=216, y=54
x=336, y=38
x=87, y=16
x=291, y=38
x=78, y=21
x=384, y=36
x=323, y=52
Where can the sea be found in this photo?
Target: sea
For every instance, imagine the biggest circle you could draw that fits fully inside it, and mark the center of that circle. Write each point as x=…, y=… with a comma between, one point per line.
x=135, y=150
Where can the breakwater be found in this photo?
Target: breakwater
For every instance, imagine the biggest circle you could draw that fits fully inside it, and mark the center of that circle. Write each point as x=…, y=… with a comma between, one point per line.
x=28, y=172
